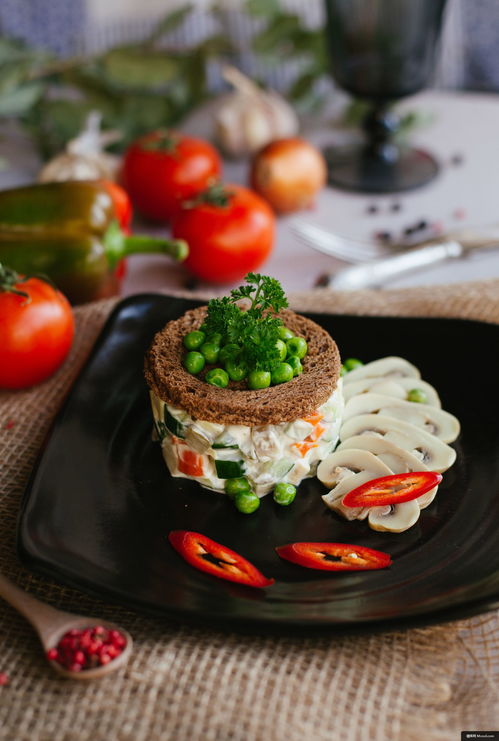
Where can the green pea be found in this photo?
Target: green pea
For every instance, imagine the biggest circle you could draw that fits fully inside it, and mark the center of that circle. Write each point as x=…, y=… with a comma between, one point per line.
x=210, y=351
x=351, y=363
x=236, y=486
x=193, y=340
x=246, y=502
x=229, y=351
x=194, y=362
x=297, y=346
x=217, y=377
x=282, y=349
x=295, y=364
x=417, y=395
x=284, y=493
x=285, y=333
x=282, y=373
x=215, y=339
x=259, y=379
x=237, y=371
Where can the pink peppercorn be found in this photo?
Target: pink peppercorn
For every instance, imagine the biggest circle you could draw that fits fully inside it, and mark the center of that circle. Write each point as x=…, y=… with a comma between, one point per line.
x=4, y=679
x=78, y=650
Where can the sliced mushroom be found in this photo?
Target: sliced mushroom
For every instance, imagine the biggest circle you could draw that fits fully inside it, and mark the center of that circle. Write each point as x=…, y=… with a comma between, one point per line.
x=394, y=518
x=390, y=367
x=393, y=456
x=345, y=470
x=431, y=419
x=340, y=464
x=429, y=449
x=397, y=387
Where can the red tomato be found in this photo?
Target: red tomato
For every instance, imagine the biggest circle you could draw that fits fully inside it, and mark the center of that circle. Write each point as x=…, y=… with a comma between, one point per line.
x=121, y=202
x=36, y=331
x=399, y=487
x=164, y=168
x=334, y=556
x=226, y=564
x=230, y=232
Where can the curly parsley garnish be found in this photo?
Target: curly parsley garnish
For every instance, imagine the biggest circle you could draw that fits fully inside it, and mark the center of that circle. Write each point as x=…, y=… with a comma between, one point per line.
x=256, y=329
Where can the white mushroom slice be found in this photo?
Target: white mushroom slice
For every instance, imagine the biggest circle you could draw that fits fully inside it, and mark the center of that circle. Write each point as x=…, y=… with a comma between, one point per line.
x=344, y=471
x=393, y=456
x=398, y=388
x=429, y=449
x=431, y=419
x=394, y=518
x=340, y=464
x=390, y=367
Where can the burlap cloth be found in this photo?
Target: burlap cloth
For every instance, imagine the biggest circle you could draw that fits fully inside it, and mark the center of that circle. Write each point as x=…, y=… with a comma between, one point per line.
x=185, y=683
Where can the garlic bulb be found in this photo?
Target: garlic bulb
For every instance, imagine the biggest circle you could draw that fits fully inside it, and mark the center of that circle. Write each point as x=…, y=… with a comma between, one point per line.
x=84, y=158
x=249, y=118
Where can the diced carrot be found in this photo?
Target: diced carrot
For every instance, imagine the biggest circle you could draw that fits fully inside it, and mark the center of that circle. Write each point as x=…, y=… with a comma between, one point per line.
x=304, y=447
x=316, y=432
x=189, y=462
x=314, y=418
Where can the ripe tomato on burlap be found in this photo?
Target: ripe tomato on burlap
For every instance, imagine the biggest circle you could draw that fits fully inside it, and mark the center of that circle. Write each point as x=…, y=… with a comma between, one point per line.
x=229, y=230
x=36, y=329
x=164, y=168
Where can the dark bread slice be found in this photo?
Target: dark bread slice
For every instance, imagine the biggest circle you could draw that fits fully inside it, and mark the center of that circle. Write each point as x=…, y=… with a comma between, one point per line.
x=236, y=405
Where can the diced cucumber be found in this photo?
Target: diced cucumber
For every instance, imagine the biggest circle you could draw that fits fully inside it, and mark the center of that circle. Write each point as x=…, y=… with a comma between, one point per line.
x=229, y=469
x=161, y=430
x=280, y=468
x=225, y=442
x=175, y=427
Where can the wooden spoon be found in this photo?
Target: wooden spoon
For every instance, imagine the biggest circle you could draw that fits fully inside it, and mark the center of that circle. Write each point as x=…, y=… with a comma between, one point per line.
x=52, y=624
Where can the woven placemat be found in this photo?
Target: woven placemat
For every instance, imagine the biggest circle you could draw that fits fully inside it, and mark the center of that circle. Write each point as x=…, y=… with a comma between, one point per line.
x=187, y=684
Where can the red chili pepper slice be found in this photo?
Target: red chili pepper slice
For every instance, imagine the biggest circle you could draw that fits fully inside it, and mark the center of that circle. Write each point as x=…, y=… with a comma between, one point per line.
x=334, y=556
x=399, y=487
x=216, y=559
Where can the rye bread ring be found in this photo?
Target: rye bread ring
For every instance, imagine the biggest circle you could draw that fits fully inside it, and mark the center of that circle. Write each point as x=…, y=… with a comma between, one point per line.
x=236, y=404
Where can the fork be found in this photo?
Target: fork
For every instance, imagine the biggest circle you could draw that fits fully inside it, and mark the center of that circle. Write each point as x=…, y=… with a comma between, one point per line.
x=344, y=248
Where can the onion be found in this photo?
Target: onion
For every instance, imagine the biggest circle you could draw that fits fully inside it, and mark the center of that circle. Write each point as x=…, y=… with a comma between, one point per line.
x=288, y=173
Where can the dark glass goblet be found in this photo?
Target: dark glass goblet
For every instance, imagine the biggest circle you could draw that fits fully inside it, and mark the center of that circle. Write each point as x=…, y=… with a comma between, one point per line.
x=381, y=51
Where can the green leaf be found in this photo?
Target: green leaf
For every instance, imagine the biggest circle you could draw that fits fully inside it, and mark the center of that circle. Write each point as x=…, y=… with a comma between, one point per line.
x=169, y=23
x=141, y=113
x=214, y=46
x=12, y=50
x=132, y=68
x=303, y=92
x=12, y=75
x=54, y=122
x=263, y=8
x=303, y=85
x=276, y=37
x=20, y=100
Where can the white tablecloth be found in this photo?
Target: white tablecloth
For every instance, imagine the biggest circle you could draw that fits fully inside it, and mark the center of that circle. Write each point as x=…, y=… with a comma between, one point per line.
x=462, y=125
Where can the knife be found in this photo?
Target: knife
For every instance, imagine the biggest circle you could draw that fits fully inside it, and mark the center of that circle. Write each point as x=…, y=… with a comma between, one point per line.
x=374, y=273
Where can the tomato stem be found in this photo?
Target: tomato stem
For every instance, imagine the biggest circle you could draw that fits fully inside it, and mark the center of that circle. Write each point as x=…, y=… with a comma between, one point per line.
x=9, y=279
x=165, y=141
x=215, y=195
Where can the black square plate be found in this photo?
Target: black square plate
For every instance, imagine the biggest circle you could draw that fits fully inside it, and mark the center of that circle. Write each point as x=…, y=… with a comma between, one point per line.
x=101, y=501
